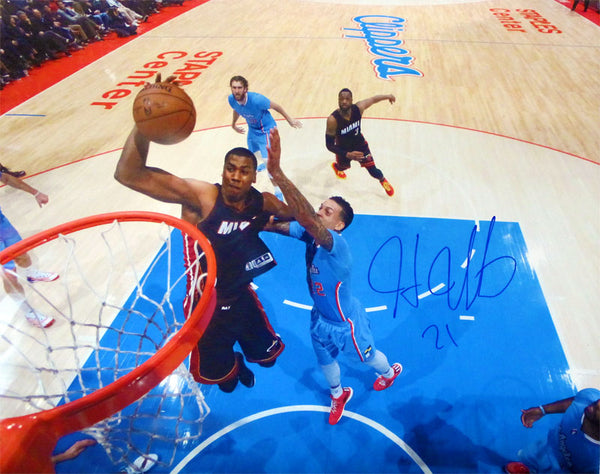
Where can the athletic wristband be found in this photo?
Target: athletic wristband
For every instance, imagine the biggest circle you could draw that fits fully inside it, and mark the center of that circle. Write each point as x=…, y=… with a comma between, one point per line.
x=333, y=148
x=542, y=408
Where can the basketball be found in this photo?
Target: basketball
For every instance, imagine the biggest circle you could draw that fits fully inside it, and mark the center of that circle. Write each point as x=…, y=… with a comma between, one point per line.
x=164, y=113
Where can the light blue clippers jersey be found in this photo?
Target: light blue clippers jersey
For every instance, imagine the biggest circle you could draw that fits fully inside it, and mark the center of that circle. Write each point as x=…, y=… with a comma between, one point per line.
x=329, y=277
x=255, y=111
x=575, y=451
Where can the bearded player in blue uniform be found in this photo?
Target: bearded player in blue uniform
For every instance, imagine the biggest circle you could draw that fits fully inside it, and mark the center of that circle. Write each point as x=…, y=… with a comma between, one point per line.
x=254, y=107
x=339, y=323
x=572, y=445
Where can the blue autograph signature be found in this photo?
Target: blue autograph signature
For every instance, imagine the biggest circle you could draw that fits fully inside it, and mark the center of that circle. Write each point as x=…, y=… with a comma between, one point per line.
x=466, y=283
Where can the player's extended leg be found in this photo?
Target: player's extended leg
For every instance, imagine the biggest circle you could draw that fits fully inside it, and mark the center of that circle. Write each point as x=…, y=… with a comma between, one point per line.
x=15, y=291
x=241, y=373
x=340, y=396
x=324, y=337
x=257, y=338
x=369, y=164
x=213, y=360
x=260, y=143
x=360, y=343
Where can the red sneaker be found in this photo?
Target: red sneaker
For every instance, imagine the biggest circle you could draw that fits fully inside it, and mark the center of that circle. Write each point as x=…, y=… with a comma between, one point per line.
x=387, y=186
x=382, y=382
x=516, y=468
x=339, y=173
x=338, y=404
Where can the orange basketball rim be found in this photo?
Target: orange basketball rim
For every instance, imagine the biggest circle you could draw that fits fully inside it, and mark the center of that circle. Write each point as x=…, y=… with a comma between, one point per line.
x=27, y=442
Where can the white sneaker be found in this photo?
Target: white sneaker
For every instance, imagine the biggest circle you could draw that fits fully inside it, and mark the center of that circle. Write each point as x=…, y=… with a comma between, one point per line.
x=36, y=275
x=39, y=320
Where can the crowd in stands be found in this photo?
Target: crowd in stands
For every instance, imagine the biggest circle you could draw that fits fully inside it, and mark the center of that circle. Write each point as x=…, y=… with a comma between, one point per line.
x=34, y=31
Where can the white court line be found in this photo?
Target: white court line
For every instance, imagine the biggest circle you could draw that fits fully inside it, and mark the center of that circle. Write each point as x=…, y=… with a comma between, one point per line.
x=299, y=408
x=466, y=318
x=297, y=305
x=308, y=307
x=433, y=290
x=468, y=259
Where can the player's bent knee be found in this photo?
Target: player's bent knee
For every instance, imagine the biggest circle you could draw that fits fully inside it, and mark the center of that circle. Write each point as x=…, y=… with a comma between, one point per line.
x=229, y=386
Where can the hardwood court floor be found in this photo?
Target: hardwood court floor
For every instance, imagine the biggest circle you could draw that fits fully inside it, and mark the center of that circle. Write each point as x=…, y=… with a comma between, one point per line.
x=498, y=118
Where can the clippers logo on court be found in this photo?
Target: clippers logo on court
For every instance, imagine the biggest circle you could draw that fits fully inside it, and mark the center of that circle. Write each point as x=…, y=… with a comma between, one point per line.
x=380, y=33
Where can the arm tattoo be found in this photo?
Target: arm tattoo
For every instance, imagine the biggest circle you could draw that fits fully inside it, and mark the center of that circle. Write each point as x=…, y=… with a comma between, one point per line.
x=304, y=212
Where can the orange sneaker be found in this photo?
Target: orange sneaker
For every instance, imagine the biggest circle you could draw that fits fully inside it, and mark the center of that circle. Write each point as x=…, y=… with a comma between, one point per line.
x=340, y=174
x=387, y=186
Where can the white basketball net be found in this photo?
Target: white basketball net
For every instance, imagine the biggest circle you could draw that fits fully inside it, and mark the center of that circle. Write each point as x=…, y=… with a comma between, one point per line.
x=118, y=300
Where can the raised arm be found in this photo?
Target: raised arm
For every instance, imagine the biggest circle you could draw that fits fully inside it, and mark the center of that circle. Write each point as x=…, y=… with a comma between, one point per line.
x=299, y=205
x=366, y=103
x=133, y=172
x=293, y=122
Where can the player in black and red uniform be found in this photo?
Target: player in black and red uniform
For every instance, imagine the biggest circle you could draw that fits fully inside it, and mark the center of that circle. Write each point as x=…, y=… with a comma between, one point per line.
x=241, y=256
x=230, y=214
x=344, y=138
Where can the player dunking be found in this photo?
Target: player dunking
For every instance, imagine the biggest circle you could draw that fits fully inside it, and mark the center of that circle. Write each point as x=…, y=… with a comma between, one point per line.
x=339, y=323
x=344, y=138
x=230, y=214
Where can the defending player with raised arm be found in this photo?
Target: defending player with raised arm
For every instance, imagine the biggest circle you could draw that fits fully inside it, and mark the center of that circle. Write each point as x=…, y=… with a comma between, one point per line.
x=241, y=255
x=344, y=138
x=339, y=323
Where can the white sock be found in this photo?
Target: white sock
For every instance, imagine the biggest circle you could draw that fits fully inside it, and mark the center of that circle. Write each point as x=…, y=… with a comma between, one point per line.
x=20, y=302
x=333, y=376
x=389, y=374
x=336, y=392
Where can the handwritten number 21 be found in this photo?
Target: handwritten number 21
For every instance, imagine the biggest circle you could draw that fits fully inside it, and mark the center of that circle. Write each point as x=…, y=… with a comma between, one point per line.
x=437, y=335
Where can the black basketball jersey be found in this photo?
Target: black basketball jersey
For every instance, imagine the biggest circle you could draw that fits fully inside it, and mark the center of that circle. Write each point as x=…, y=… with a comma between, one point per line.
x=348, y=134
x=241, y=254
